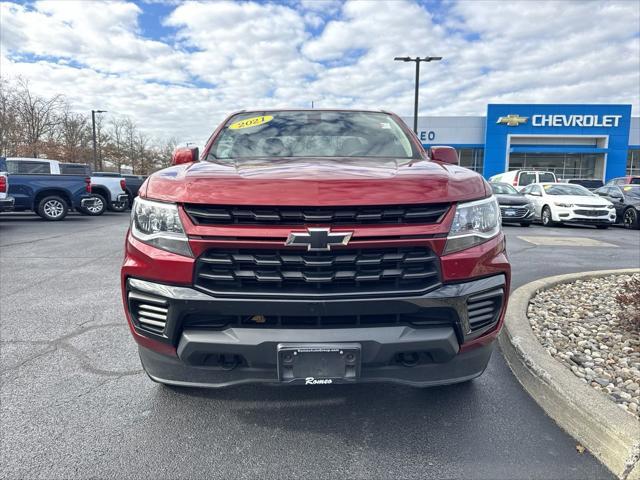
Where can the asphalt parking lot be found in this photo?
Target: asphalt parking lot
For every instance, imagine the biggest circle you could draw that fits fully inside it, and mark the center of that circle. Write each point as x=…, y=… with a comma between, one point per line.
x=75, y=403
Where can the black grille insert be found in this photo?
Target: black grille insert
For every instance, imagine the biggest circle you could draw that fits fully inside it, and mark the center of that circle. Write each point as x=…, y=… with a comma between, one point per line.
x=517, y=211
x=430, y=317
x=294, y=272
x=591, y=213
x=484, y=308
x=264, y=215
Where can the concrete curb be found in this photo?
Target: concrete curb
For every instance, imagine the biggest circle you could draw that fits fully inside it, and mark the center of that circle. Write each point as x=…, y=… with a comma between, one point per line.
x=608, y=432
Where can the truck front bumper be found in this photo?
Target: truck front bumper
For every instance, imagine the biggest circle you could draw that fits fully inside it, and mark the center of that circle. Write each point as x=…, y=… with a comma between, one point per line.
x=215, y=342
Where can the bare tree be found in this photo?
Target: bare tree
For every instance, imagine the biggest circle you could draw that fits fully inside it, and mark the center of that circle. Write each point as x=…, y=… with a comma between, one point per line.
x=74, y=135
x=9, y=125
x=41, y=126
x=117, y=151
x=36, y=114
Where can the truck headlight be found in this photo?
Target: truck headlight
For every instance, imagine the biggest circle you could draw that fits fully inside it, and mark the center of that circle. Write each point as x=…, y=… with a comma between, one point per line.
x=158, y=224
x=473, y=223
x=565, y=205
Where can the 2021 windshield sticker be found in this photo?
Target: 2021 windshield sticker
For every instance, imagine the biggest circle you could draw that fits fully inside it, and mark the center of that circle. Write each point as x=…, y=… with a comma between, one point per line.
x=251, y=122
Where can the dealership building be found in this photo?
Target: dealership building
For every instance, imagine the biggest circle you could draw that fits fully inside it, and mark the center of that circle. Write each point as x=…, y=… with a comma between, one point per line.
x=573, y=141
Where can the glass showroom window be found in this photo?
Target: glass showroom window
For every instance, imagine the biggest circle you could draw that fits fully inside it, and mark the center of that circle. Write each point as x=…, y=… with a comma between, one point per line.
x=472, y=158
x=633, y=162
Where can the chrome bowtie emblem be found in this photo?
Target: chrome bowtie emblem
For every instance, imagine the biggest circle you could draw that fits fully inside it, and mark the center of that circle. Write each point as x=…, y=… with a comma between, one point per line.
x=512, y=120
x=318, y=239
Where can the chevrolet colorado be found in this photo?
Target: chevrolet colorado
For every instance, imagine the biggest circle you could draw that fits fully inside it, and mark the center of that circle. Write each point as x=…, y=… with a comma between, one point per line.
x=315, y=247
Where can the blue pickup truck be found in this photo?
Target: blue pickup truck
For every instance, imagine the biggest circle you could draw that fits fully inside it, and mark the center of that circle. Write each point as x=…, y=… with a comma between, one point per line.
x=50, y=196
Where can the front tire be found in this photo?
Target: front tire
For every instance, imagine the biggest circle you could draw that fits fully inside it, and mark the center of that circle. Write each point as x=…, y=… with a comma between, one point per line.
x=119, y=206
x=99, y=207
x=630, y=218
x=52, y=208
x=547, y=219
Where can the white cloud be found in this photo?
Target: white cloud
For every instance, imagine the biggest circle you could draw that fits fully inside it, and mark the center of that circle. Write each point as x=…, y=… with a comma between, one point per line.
x=224, y=56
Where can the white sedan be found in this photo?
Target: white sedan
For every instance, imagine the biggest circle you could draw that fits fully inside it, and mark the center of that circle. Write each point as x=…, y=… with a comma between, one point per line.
x=567, y=203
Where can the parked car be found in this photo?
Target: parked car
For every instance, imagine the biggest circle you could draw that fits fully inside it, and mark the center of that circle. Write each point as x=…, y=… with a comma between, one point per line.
x=514, y=207
x=6, y=201
x=279, y=258
x=109, y=192
x=588, y=183
x=565, y=203
x=50, y=196
x=626, y=200
x=133, y=183
x=521, y=178
x=628, y=180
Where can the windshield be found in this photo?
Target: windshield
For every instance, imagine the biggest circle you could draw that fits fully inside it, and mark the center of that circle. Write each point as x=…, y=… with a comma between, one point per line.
x=632, y=191
x=546, y=177
x=503, y=189
x=566, y=189
x=312, y=134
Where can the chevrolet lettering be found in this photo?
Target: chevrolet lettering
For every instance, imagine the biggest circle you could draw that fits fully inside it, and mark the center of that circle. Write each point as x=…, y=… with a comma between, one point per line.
x=575, y=120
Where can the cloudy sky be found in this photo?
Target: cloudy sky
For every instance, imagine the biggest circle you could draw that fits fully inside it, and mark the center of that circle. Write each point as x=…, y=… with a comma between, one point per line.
x=178, y=68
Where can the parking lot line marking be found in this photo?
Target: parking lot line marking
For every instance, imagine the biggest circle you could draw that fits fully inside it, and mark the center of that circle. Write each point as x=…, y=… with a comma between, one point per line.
x=566, y=241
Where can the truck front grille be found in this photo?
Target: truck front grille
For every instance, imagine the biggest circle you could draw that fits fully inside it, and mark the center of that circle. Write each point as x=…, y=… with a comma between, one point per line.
x=389, y=214
x=293, y=272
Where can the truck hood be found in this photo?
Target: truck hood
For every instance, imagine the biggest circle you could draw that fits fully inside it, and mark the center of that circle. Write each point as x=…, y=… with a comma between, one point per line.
x=316, y=181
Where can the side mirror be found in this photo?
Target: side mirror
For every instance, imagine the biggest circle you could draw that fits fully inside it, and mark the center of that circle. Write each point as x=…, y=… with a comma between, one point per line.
x=185, y=155
x=602, y=194
x=535, y=194
x=444, y=155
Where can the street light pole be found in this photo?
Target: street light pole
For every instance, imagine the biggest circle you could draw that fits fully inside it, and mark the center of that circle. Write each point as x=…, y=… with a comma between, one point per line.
x=415, y=104
x=95, y=148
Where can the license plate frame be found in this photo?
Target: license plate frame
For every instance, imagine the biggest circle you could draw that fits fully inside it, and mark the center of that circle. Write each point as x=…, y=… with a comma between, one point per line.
x=318, y=363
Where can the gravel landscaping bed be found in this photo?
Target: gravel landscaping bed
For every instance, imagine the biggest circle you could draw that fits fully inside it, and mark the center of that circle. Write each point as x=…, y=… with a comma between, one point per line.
x=578, y=325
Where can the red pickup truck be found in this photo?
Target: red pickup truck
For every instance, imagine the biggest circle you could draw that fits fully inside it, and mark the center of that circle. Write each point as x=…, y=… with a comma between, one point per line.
x=315, y=247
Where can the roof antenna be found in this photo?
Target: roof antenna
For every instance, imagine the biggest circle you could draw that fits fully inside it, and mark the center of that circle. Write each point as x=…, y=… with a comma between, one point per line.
x=311, y=103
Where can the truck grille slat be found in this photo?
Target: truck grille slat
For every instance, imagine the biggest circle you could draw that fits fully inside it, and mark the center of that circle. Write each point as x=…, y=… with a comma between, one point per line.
x=483, y=308
x=334, y=215
x=283, y=272
x=148, y=311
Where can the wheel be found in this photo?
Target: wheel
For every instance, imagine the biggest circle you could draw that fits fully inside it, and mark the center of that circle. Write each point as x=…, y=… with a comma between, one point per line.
x=547, y=220
x=119, y=206
x=602, y=227
x=52, y=208
x=98, y=208
x=630, y=218
x=525, y=224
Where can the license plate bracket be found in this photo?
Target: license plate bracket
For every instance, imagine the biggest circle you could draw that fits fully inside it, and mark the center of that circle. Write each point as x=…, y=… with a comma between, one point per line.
x=318, y=363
